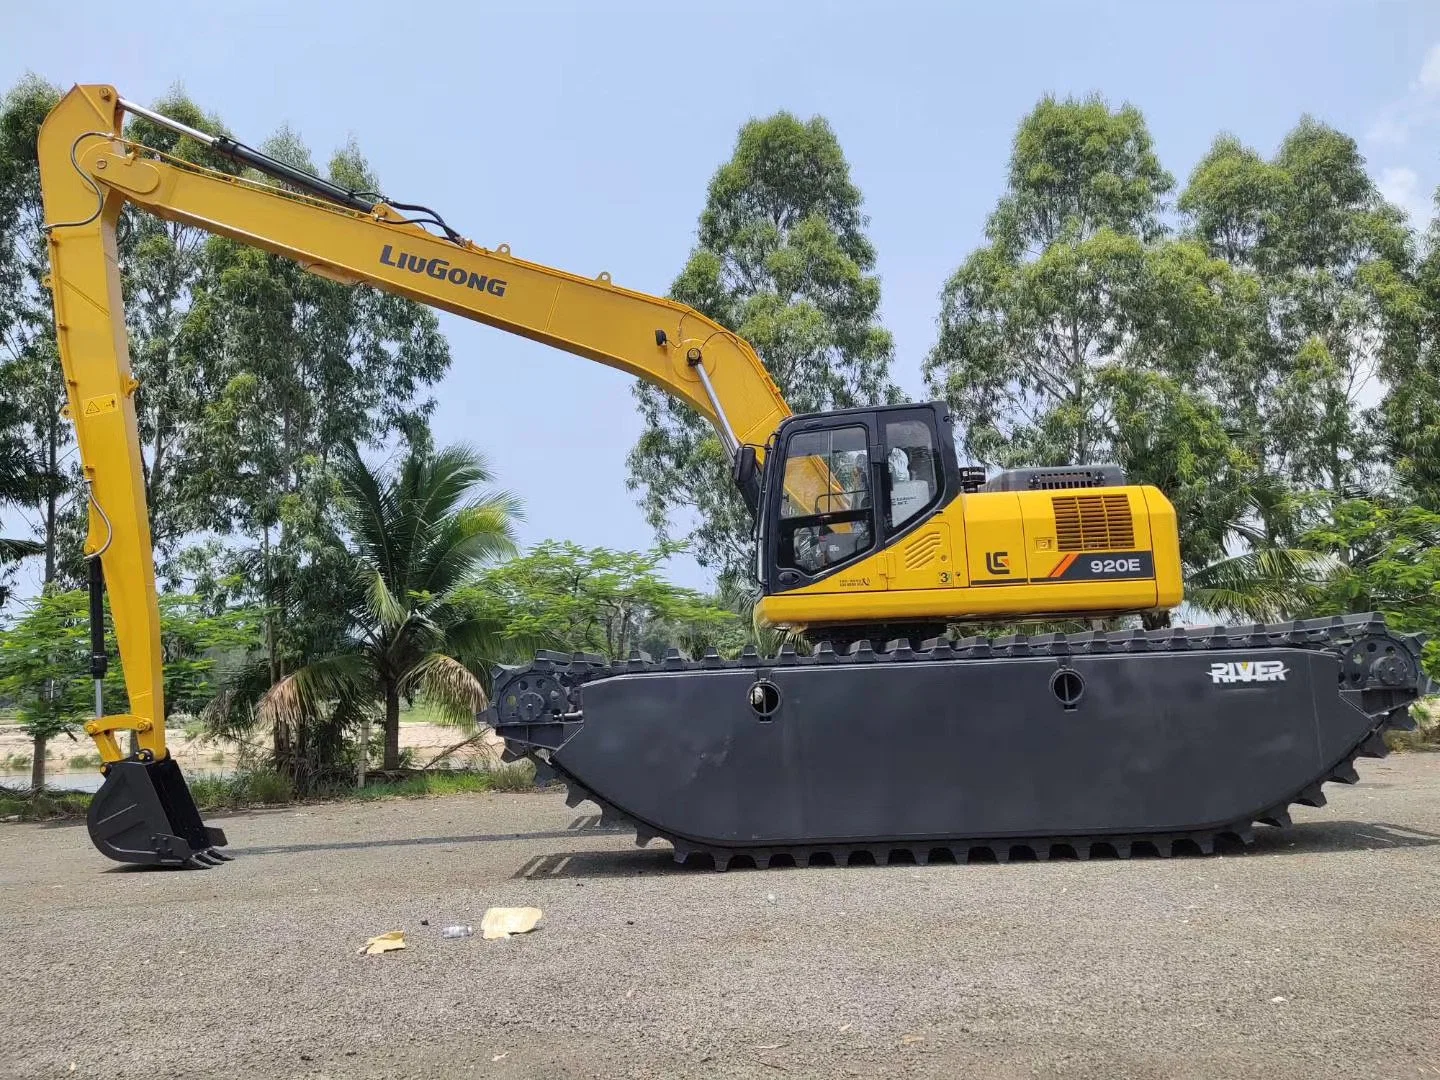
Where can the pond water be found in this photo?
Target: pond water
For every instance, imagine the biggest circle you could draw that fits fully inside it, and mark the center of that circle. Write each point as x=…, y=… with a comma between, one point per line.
x=56, y=779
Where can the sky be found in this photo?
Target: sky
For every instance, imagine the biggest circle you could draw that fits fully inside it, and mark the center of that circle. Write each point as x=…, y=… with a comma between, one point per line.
x=584, y=136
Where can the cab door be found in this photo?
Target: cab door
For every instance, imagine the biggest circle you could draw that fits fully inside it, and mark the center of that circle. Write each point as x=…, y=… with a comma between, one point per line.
x=913, y=489
x=822, y=510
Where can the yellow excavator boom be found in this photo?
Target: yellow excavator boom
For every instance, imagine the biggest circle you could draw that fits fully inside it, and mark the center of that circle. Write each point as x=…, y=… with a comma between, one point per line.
x=89, y=171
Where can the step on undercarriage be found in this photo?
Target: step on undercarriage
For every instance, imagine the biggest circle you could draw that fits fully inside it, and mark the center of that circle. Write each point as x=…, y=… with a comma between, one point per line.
x=1168, y=741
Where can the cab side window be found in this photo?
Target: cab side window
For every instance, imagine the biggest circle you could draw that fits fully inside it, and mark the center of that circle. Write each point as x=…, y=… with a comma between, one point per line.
x=912, y=471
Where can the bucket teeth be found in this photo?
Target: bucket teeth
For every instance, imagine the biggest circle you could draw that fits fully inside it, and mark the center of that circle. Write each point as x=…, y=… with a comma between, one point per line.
x=219, y=856
x=1279, y=817
x=1344, y=773
x=1312, y=796
x=1374, y=746
x=574, y=797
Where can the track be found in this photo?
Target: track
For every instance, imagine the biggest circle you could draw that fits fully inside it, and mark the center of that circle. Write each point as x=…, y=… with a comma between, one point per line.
x=540, y=708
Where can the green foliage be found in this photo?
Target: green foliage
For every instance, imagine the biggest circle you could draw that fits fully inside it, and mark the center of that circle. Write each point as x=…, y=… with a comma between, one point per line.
x=1225, y=365
x=1426, y=735
x=269, y=788
x=34, y=439
x=1386, y=559
x=418, y=535
x=253, y=374
x=45, y=659
x=782, y=259
x=595, y=600
x=1409, y=304
x=1318, y=246
x=1081, y=332
x=262, y=787
x=517, y=777
x=43, y=805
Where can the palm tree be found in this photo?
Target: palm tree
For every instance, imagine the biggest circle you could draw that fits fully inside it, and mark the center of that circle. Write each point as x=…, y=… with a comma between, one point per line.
x=417, y=534
x=1267, y=584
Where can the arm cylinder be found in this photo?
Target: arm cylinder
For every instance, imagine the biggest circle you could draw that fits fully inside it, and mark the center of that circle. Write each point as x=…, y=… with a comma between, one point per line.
x=99, y=662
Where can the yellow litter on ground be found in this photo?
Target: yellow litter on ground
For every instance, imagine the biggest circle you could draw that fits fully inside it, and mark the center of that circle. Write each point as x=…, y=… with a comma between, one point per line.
x=382, y=943
x=501, y=922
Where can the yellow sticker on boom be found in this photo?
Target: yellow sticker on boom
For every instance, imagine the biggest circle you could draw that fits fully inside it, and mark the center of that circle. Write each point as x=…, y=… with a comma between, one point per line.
x=102, y=404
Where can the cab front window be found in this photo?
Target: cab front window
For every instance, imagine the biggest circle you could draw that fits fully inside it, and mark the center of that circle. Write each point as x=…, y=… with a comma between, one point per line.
x=826, y=509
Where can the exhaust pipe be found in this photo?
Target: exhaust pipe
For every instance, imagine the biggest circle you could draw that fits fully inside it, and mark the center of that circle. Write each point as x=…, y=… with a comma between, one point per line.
x=144, y=812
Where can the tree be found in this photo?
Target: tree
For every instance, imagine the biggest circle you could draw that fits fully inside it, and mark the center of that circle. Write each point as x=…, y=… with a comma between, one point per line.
x=782, y=259
x=1080, y=332
x=1385, y=558
x=1410, y=363
x=19, y=474
x=420, y=533
x=30, y=377
x=174, y=344
x=1313, y=235
x=596, y=600
x=306, y=367
x=45, y=662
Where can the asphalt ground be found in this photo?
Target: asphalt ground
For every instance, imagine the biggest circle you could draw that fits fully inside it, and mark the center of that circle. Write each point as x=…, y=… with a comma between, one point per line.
x=1315, y=954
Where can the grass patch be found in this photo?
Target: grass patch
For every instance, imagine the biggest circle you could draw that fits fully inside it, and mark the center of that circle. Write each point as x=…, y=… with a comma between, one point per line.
x=265, y=788
x=16, y=762
x=83, y=761
x=1426, y=735
x=258, y=788
x=448, y=782
x=44, y=805
x=517, y=777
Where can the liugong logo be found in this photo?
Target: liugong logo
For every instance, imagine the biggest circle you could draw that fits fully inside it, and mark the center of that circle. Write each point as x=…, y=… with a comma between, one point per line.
x=441, y=270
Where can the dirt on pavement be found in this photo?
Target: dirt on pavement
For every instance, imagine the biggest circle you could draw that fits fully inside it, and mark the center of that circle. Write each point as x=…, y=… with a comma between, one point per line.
x=1316, y=954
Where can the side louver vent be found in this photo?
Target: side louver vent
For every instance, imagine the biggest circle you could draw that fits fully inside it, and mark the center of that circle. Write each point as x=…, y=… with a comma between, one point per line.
x=922, y=550
x=1093, y=523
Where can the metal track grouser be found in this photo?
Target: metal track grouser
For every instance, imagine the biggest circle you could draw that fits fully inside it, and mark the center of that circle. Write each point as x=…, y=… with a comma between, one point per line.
x=1015, y=747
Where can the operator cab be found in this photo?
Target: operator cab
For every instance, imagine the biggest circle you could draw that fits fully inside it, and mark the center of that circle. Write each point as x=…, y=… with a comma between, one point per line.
x=838, y=485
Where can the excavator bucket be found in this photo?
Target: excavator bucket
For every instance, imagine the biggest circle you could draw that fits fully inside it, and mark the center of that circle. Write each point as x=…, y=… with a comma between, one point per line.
x=144, y=813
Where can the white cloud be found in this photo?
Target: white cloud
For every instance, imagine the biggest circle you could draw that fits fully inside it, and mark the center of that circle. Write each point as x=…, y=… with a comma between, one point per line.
x=1417, y=114
x=1401, y=185
x=1429, y=82
x=1389, y=130
x=1419, y=108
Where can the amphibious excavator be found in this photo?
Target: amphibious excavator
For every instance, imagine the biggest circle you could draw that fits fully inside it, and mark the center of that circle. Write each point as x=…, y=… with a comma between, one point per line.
x=889, y=738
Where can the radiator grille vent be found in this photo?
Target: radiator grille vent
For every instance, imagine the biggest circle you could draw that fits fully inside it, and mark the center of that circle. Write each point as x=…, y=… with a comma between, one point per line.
x=1094, y=523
